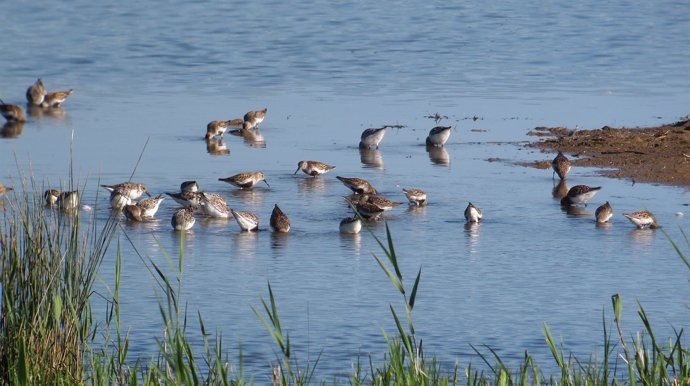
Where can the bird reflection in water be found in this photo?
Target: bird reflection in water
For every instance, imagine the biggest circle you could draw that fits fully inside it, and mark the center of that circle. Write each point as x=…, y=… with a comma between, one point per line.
x=438, y=155
x=371, y=158
x=252, y=137
x=472, y=231
x=576, y=211
x=306, y=185
x=12, y=129
x=560, y=190
x=279, y=240
x=245, y=243
x=351, y=242
x=216, y=146
x=643, y=237
x=39, y=112
x=249, y=197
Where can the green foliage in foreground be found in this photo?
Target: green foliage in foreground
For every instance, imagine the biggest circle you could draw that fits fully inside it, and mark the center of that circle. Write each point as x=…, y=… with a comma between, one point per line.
x=50, y=262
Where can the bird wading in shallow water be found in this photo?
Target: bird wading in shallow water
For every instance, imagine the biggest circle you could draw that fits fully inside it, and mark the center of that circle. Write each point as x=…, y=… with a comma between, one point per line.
x=279, y=220
x=313, y=168
x=579, y=195
x=643, y=219
x=560, y=166
x=472, y=213
x=438, y=136
x=371, y=138
x=603, y=213
x=246, y=180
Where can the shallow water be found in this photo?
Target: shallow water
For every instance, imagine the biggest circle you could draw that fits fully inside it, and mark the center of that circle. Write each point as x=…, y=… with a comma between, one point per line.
x=149, y=79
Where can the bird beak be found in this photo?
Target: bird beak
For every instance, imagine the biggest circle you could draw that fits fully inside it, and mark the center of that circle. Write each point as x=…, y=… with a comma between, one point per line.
x=148, y=194
x=267, y=183
x=296, y=171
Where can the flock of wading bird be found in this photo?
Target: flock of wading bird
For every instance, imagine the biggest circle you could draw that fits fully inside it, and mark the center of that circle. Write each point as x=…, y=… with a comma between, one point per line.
x=365, y=201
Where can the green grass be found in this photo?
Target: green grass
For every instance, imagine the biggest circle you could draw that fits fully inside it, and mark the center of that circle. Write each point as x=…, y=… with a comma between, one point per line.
x=50, y=262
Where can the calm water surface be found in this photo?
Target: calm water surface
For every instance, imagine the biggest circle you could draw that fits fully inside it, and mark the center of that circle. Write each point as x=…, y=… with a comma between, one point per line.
x=151, y=76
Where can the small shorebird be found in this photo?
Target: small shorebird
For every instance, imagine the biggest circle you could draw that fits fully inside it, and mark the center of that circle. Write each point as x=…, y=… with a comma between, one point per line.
x=218, y=128
x=68, y=200
x=55, y=99
x=12, y=113
x=132, y=190
x=119, y=200
x=4, y=189
x=246, y=220
x=604, y=213
x=183, y=219
x=381, y=202
x=189, y=186
x=134, y=213
x=368, y=210
x=186, y=199
x=357, y=185
x=371, y=138
x=560, y=165
x=643, y=219
x=50, y=197
x=36, y=93
x=472, y=213
x=214, y=205
x=313, y=168
x=415, y=196
x=253, y=118
x=351, y=225
x=579, y=194
x=438, y=136
x=279, y=220
x=245, y=180
x=150, y=206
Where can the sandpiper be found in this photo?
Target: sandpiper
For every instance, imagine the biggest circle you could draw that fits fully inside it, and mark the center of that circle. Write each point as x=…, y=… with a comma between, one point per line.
x=119, y=200
x=183, y=219
x=186, y=199
x=4, y=189
x=381, y=202
x=246, y=220
x=50, y=197
x=371, y=138
x=357, y=185
x=279, y=220
x=253, y=118
x=55, y=99
x=36, y=93
x=603, y=213
x=643, y=219
x=214, y=205
x=150, y=206
x=368, y=210
x=134, y=213
x=68, y=200
x=245, y=180
x=472, y=213
x=579, y=194
x=560, y=165
x=218, y=128
x=189, y=186
x=313, y=168
x=415, y=196
x=351, y=225
x=438, y=136
x=132, y=190
x=12, y=113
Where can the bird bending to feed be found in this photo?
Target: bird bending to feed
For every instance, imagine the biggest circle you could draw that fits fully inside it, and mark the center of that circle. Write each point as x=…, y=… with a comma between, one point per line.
x=183, y=219
x=150, y=206
x=245, y=180
x=51, y=197
x=186, y=199
x=189, y=186
x=68, y=200
x=253, y=118
x=4, y=189
x=438, y=136
x=12, y=113
x=603, y=213
x=472, y=213
x=643, y=219
x=313, y=168
x=218, y=128
x=579, y=194
x=560, y=165
x=119, y=200
x=214, y=205
x=350, y=225
x=279, y=220
x=371, y=138
x=416, y=196
x=381, y=202
x=55, y=99
x=368, y=210
x=36, y=93
x=247, y=221
x=134, y=213
x=132, y=190
x=357, y=185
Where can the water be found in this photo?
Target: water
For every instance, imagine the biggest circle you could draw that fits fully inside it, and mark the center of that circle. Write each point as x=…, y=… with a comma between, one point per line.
x=151, y=77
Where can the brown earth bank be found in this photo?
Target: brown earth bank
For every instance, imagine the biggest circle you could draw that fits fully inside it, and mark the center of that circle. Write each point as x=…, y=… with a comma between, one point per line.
x=652, y=154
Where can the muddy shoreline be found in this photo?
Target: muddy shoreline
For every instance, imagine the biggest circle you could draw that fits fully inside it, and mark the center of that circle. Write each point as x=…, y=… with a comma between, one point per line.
x=658, y=154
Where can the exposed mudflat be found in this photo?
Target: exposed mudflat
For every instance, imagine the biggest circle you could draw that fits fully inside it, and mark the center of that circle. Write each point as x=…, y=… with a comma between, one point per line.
x=652, y=154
